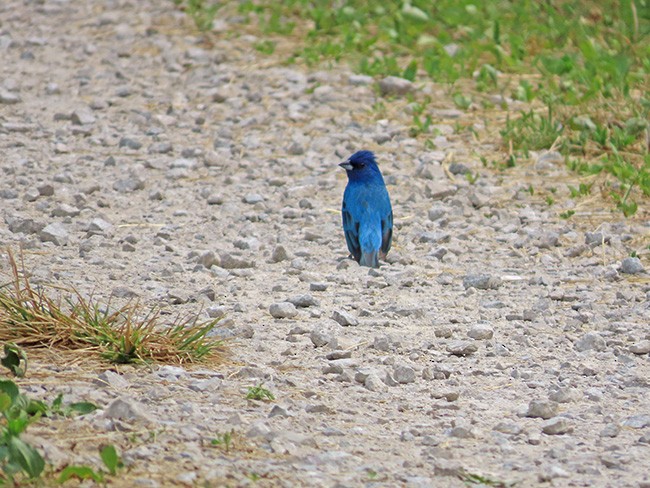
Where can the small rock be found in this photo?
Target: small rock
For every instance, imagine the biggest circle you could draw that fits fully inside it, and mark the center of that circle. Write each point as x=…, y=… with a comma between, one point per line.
x=303, y=301
x=128, y=185
x=374, y=383
x=334, y=355
x=56, y=233
x=507, y=428
x=610, y=430
x=123, y=292
x=130, y=143
x=208, y=259
x=161, y=147
x=279, y=254
x=637, y=421
x=317, y=286
x=283, y=310
x=360, y=80
x=557, y=426
x=458, y=169
x=344, y=318
x=631, y=266
x=99, y=227
x=45, y=190
x=480, y=332
x=82, y=117
x=24, y=226
x=252, y=198
x=8, y=98
x=393, y=85
x=461, y=433
x=590, y=341
x=320, y=337
x=126, y=409
x=593, y=239
x=641, y=347
x=31, y=195
x=403, y=374
x=228, y=261
x=481, y=281
x=552, y=472
x=112, y=379
x=65, y=210
x=462, y=348
x=544, y=409
x=278, y=411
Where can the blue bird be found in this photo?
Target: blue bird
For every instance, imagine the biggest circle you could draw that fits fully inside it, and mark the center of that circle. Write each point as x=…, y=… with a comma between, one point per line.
x=367, y=213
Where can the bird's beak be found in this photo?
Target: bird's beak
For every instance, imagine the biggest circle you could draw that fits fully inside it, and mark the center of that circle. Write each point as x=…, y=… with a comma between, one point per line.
x=346, y=165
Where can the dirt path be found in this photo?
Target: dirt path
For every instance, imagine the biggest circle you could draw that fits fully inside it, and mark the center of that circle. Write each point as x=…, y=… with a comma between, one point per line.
x=499, y=341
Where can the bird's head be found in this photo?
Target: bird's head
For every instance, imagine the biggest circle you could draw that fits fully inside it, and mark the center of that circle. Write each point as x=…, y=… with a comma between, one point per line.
x=361, y=165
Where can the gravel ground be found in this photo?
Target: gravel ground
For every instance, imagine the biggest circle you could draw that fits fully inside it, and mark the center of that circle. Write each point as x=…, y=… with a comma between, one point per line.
x=138, y=161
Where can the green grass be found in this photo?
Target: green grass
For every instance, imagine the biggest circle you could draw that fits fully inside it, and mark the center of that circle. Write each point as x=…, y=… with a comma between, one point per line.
x=20, y=462
x=30, y=317
x=581, y=67
x=259, y=393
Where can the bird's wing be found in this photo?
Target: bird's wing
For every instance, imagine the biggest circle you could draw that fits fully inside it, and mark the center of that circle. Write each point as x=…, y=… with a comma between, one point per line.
x=351, y=229
x=386, y=233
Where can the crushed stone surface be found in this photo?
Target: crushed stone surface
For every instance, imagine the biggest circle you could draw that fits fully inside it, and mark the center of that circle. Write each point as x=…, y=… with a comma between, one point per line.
x=140, y=162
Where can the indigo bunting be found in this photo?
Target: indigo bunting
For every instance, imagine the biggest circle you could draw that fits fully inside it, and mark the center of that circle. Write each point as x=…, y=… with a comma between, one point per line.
x=367, y=213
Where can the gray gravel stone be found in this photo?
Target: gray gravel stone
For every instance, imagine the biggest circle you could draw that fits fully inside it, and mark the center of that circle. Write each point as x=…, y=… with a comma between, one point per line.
x=9, y=98
x=344, y=318
x=393, y=85
x=162, y=147
x=303, y=301
x=56, y=233
x=544, y=409
x=508, y=428
x=127, y=409
x=99, y=226
x=24, y=226
x=320, y=337
x=279, y=254
x=283, y=310
x=82, y=116
x=130, y=143
x=481, y=331
x=590, y=341
x=128, y=185
x=481, y=281
x=403, y=374
x=631, y=266
x=557, y=426
x=641, y=347
x=230, y=261
x=462, y=348
x=637, y=421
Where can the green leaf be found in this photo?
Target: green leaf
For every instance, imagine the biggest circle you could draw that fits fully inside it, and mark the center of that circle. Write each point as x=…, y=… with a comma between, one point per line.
x=26, y=456
x=10, y=388
x=15, y=359
x=110, y=458
x=58, y=401
x=410, y=71
x=82, y=408
x=18, y=424
x=5, y=402
x=37, y=407
x=80, y=472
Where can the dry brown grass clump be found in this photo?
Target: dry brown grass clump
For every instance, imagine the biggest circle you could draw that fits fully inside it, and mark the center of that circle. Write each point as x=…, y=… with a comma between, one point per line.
x=30, y=317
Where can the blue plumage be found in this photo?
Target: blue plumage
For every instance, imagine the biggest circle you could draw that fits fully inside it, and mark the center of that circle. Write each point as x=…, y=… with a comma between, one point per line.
x=367, y=213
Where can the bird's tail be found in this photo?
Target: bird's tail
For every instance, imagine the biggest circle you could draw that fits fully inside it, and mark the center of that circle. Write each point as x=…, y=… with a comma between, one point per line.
x=370, y=259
